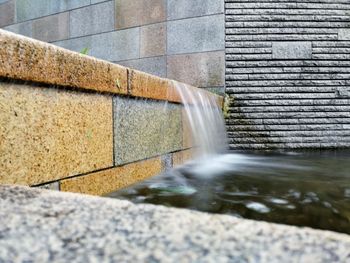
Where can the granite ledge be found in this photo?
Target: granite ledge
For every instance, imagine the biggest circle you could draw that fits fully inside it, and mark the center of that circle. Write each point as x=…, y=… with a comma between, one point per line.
x=27, y=59
x=42, y=225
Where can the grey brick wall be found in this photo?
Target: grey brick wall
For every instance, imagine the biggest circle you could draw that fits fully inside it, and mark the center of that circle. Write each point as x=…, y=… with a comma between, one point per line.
x=179, y=39
x=288, y=68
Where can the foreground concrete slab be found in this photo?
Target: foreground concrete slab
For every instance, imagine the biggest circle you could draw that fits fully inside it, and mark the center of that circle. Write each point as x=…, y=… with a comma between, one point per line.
x=48, y=226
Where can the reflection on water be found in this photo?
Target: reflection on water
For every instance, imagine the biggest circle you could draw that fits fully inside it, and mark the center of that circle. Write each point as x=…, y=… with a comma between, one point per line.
x=304, y=189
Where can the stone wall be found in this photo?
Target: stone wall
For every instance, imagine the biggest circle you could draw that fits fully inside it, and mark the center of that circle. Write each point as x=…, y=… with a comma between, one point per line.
x=288, y=68
x=72, y=122
x=178, y=39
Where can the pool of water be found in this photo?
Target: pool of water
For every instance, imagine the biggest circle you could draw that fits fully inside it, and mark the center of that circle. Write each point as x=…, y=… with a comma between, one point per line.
x=296, y=188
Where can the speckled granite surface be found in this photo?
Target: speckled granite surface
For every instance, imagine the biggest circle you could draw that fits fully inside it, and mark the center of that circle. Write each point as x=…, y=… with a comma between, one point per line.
x=44, y=226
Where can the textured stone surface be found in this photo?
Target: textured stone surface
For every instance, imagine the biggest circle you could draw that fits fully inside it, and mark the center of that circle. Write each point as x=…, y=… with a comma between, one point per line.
x=30, y=9
x=152, y=65
x=110, y=180
x=117, y=45
x=76, y=44
x=153, y=40
x=145, y=129
x=139, y=12
x=41, y=225
x=152, y=87
x=51, y=28
x=92, y=19
x=7, y=13
x=344, y=34
x=196, y=34
x=291, y=50
x=31, y=60
x=48, y=134
x=178, y=9
x=286, y=69
x=200, y=70
x=25, y=28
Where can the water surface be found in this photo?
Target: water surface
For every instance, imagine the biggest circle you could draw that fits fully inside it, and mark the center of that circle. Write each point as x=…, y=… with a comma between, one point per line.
x=297, y=188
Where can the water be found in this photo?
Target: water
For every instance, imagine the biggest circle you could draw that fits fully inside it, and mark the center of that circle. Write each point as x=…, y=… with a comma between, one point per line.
x=205, y=120
x=301, y=188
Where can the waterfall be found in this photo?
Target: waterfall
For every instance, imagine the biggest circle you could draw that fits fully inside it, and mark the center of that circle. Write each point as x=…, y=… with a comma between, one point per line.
x=205, y=120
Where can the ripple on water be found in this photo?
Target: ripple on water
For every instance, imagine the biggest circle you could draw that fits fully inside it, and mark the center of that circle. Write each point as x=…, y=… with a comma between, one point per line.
x=258, y=207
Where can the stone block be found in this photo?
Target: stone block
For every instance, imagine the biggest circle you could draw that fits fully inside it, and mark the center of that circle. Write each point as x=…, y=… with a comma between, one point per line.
x=153, y=40
x=51, y=28
x=145, y=128
x=133, y=13
x=48, y=134
x=25, y=28
x=110, y=180
x=292, y=50
x=344, y=34
x=153, y=65
x=32, y=60
x=7, y=13
x=196, y=34
x=178, y=9
x=200, y=69
x=30, y=9
x=92, y=19
x=148, y=86
x=117, y=45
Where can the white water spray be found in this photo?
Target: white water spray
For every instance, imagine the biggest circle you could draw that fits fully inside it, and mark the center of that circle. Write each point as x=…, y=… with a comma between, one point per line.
x=205, y=119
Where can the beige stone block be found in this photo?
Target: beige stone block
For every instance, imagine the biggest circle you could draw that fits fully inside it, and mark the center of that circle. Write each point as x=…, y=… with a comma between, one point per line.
x=51, y=28
x=153, y=40
x=31, y=60
x=130, y=13
x=110, y=180
x=148, y=86
x=48, y=134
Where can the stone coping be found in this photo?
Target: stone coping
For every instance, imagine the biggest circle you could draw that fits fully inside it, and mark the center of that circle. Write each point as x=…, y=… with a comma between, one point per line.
x=27, y=59
x=48, y=226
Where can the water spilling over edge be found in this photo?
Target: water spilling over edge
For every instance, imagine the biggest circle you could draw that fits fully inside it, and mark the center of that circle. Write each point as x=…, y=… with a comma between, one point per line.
x=205, y=119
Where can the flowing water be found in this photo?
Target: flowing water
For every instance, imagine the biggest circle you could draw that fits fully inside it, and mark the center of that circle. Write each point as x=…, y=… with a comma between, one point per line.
x=309, y=188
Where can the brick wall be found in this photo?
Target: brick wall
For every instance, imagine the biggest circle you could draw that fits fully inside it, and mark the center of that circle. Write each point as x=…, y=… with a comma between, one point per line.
x=178, y=39
x=288, y=67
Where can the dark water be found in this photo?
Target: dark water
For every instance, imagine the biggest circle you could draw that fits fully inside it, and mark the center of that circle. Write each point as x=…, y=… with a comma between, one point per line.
x=304, y=189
